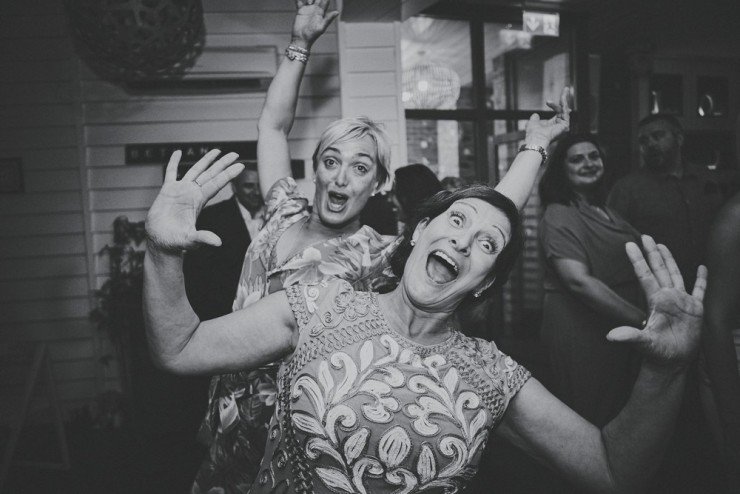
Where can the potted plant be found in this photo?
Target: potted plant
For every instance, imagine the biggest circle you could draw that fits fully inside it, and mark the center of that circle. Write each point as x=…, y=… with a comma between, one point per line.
x=119, y=307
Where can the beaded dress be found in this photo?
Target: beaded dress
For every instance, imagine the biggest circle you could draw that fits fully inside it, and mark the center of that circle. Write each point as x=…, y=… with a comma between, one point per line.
x=241, y=403
x=362, y=409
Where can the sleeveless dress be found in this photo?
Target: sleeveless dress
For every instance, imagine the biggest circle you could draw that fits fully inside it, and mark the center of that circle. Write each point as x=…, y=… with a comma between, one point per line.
x=241, y=404
x=362, y=409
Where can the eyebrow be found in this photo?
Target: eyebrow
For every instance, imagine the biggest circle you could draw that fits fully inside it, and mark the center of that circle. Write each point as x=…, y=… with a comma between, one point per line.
x=358, y=155
x=494, y=226
x=502, y=233
x=468, y=205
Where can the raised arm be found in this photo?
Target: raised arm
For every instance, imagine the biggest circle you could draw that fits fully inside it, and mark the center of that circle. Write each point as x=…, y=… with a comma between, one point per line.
x=518, y=182
x=622, y=456
x=178, y=340
x=278, y=113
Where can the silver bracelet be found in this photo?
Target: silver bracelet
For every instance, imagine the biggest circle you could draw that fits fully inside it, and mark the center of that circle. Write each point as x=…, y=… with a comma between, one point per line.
x=297, y=48
x=539, y=149
x=293, y=54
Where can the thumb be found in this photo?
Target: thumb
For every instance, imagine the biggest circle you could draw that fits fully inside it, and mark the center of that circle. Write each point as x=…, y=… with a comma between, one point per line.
x=206, y=237
x=330, y=17
x=534, y=118
x=625, y=334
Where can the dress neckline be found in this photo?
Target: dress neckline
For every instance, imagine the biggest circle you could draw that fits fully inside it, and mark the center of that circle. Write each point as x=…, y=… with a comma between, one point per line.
x=423, y=349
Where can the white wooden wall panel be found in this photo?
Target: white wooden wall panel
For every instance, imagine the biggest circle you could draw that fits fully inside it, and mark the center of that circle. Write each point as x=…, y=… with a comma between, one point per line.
x=48, y=70
x=49, y=158
x=34, y=115
x=54, y=330
x=23, y=93
x=47, y=224
x=370, y=72
x=43, y=310
x=36, y=50
x=35, y=203
x=54, y=112
x=42, y=245
x=23, y=269
x=44, y=289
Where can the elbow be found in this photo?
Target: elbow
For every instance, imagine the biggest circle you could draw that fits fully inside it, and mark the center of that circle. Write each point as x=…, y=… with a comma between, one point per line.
x=167, y=359
x=266, y=124
x=171, y=364
x=620, y=478
x=577, y=286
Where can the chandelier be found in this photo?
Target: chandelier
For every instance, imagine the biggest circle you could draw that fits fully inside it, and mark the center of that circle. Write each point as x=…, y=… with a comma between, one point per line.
x=133, y=40
x=430, y=85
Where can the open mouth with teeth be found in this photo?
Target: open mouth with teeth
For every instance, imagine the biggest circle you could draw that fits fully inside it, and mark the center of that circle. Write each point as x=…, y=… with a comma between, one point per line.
x=441, y=268
x=337, y=201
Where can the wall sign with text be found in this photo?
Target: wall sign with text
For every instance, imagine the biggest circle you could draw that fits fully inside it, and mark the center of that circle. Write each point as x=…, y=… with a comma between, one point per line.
x=159, y=154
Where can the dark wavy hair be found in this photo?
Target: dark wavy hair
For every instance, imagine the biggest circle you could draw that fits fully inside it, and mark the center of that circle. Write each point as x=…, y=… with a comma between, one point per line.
x=554, y=185
x=414, y=183
x=441, y=202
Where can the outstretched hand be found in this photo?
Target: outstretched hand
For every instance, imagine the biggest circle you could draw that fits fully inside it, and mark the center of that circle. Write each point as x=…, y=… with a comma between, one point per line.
x=543, y=132
x=673, y=329
x=170, y=222
x=311, y=20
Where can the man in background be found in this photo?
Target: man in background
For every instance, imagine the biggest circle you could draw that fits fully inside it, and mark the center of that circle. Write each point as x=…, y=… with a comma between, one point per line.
x=212, y=273
x=669, y=198
x=675, y=202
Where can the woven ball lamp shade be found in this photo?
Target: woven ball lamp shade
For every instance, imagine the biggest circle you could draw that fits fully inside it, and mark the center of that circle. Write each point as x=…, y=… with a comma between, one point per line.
x=132, y=40
x=430, y=85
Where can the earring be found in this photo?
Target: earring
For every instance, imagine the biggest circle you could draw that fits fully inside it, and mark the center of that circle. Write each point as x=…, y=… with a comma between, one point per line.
x=413, y=242
x=314, y=179
x=476, y=294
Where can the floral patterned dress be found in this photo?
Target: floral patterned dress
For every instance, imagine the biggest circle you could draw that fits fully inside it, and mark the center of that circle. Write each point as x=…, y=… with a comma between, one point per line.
x=362, y=409
x=241, y=404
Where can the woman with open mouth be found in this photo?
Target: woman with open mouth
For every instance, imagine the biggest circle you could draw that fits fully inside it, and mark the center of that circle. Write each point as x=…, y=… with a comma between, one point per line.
x=301, y=245
x=296, y=244
x=383, y=393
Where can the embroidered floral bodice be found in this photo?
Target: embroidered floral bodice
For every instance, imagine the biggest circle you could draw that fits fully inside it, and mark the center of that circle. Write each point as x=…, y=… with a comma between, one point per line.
x=361, y=258
x=241, y=404
x=362, y=409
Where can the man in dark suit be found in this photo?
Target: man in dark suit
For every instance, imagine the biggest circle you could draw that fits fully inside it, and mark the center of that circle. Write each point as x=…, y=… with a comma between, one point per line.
x=212, y=273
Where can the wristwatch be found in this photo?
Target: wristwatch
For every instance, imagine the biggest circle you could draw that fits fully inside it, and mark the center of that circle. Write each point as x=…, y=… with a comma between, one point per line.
x=539, y=149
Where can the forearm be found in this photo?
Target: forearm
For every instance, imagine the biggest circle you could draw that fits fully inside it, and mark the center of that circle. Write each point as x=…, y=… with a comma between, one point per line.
x=635, y=440
x=279, y=109
x=168, y=317
x=276, y=120
x=602, y=299
x=618, y=458
x=518, y=181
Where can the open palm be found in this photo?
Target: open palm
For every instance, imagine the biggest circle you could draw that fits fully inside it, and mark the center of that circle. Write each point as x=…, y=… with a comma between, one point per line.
x=673, y=327
x=543, y=132
x=170, y=223
x=312, y=19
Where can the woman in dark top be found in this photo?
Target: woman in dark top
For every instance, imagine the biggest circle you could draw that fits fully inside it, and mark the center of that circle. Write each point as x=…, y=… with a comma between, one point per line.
x=589, y=286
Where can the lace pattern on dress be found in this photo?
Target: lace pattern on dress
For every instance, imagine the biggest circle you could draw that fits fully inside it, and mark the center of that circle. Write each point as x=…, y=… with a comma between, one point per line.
x=363, y=392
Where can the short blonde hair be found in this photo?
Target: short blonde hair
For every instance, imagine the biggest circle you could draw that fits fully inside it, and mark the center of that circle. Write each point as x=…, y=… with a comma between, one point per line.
x=357, y=128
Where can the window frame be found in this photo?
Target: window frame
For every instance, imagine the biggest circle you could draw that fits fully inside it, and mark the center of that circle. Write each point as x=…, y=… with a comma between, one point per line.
x=480, y=115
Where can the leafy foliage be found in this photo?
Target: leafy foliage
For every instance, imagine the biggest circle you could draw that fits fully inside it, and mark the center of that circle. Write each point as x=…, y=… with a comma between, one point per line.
x=119, y=309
